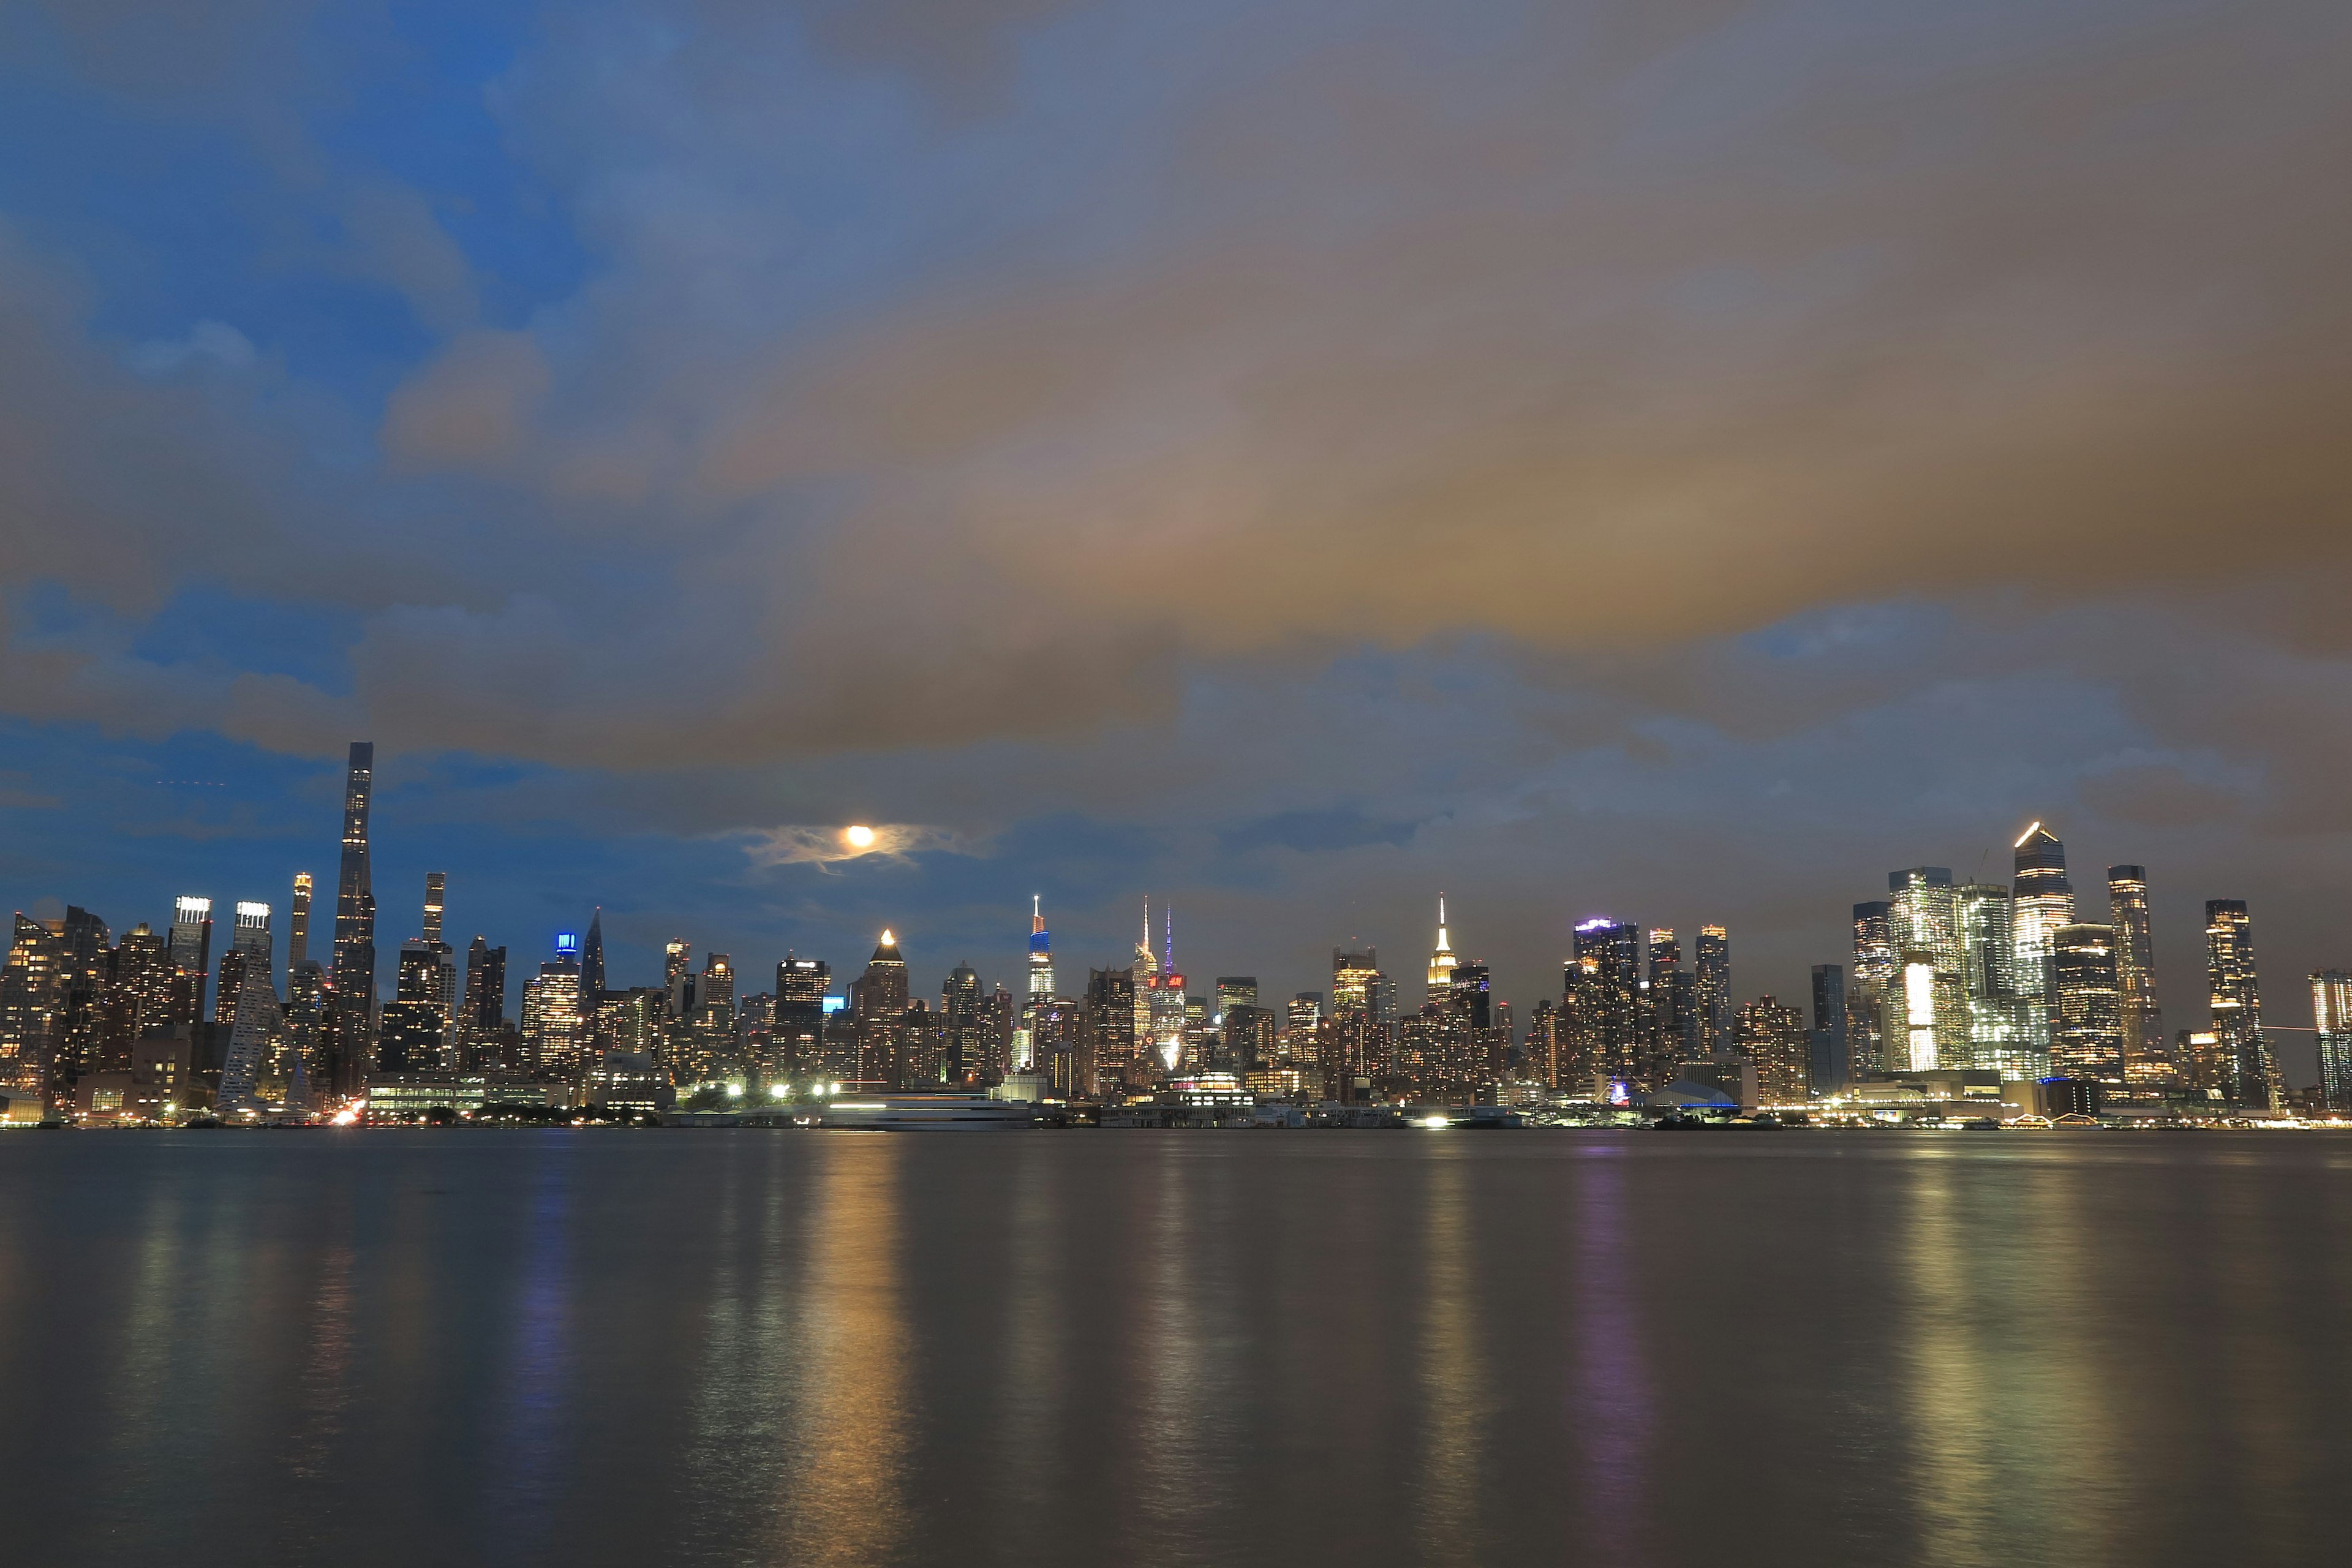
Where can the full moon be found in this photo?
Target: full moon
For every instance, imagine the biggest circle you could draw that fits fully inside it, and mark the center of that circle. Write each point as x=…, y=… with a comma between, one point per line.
x=860, y=837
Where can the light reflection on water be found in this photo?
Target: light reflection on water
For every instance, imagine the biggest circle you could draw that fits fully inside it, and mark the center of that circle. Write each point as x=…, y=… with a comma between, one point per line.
x=784, y=1348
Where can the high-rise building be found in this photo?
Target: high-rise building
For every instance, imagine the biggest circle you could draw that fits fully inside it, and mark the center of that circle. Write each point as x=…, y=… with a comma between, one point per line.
x=249, y=946
x=437, y=885
x=2147, y=1061
x=1171, y=1006
x=137, y=995
x=1144, y=969
x=415, y=1028
x=1469, y=994
x=1600, y=1016
x=297, y=924
x=190, y=951
x=1831, y=1065
x=591, y=957
x=1876, y=969
x=1999, y=1038
x=552, y=1025
x=1672, y=1000
x=964, y=1036
x=714, y=990
x=2237, y=1000
x=1924, y=925
x=485, y=988
x=1040, y=992
x=1712, y=992
x=2042, y=900
x=2087, y=1041
x=1106, y=1049
x=2331, y=1018
x=1441, y=961
x=1775, y=1038
x=798, y=1033
x=351, y=998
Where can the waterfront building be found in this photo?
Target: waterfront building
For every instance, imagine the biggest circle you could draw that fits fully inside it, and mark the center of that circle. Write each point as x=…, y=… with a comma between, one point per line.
x=1601, y=1019
x=352, y=976
x=137, y=994
x=1711, y=991
x=2202, y=1065
x=1999, y=1036
x=2237, y=1003
x=550, y=1012
x=1104, y=1057
x=190, y=951
x=2088, y=1039
x=2041, y=901
x=1874, y=982
x=29, y=991
x=1672, y=1000
x=485, y=1006
x=2331, y=1018
x=798, y=1033
x=1775, y=1038
x=965, y=1045
x=1830, y=1066
x=1923, y=926
x=250, y=941
x=2147, y=1064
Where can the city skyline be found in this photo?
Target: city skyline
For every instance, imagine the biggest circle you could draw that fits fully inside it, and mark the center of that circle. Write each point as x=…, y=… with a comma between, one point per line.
x=938, y=426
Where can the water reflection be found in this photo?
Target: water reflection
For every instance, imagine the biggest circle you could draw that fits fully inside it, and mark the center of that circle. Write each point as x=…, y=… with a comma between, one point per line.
x=845, y=1500
x=1610, y=1412
x=526, y=1481
x=1453, y=1372
x=1033, y=1388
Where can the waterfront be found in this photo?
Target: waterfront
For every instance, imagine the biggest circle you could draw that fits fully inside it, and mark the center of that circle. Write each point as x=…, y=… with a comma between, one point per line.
x=783, y=1347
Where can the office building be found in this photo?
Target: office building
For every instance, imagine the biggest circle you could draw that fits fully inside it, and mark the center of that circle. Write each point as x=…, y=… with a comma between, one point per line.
x=1441, y=961
x=2331, y=1019
x=2147, y=1060
x=250, y=941
x=2042, y=900
x=1600, y=1020
x=1672, y=1000
x=592, y=958
x=351, y=1000
x=2237, y=1003
x=552, y=1024
x=964, y=1053
x=1923, y=923
x=2087, y=1040
x=2000, y=1037
x=1830, y=1063
x=190, y=951
x=1711, y=989
x=797, y=1035
x=1775, y=1038
x=1039, y=992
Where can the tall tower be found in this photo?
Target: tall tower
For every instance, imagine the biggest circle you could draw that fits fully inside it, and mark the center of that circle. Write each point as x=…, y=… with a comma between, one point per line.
x=189, y=949
x=2331, y=1018
x=1145, y=971
x=592, y=961
x=2088, y=998
x=1712, y=992
x=249, y=947
x=1923, y=923
x=297, y=924
x=1874, y=977
x=2146, y=1060
x=1041, y=988
x=2041, y=900
x=1440, y=961
x=354, y=961
x=437, y=885
x=2237, y=999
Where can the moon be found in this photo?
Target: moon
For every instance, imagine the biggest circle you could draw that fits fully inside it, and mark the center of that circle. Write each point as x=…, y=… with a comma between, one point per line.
x=860, y=837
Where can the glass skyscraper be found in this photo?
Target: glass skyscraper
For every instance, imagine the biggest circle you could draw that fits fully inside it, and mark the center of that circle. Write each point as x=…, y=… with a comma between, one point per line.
x=2042, y=900
x=2237, y=1001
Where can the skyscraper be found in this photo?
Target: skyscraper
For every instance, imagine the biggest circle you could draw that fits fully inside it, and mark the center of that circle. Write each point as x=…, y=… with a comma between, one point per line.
x=2147, y=1059
x=1040, y=991
x=352, y=1010
x=1875, y=970
x=1170, y=1013
x=297, y=924
x=2041, y=901
x=1774, y=1037
x=1831, y=1067
x=1999, y=1038
x=485, y=988
x=2237, y=1000
x=2331, y=1016
x=1672, y=1000
x=1712, y=992
x=1600, y=1021
x=1441, y=961
x=552, y=1025
x=1144, y=969
x=437, y=887
x=798, y=1033
x=2088, y=1039
x=1923, y=926
x=191, y=952
x=592, y=958
x=249, y=946
x=966, y=1045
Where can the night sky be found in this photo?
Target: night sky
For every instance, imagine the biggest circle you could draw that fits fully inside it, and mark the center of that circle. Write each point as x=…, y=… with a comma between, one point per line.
x=1678, y=459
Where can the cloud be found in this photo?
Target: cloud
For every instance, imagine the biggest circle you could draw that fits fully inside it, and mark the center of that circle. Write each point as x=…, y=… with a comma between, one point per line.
x=826, y=847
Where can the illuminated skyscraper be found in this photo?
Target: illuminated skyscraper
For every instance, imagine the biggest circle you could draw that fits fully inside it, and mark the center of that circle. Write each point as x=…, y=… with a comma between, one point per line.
x=1774, y=1037
x=249, y=946
x=1923, y=924
x=485, y=1011
x=1169, y=1012
x=2331, y=1016
x=2041, y=901
x=552, y=1025
x=437, y=887
x=965, y=1046
x=1876, y=969
x=297, y=925
x=2147, y=1060
x=2088, y=1042
x=1712, y=992
x=1600, y=1019
x=1671, y=1001
x=1441, y=961
x=798, y=1033
x=715, y=991
x=190, y=953
x=1999, y=1038
x=1145, y=972
x=352, y=1005
x=592, y=958
x=2237, y=999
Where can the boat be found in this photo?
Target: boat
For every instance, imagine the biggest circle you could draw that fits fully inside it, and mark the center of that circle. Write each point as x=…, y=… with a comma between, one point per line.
x=944, y=1111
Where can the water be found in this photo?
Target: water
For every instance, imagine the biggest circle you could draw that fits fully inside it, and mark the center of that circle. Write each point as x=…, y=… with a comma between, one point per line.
x=1085, y=1347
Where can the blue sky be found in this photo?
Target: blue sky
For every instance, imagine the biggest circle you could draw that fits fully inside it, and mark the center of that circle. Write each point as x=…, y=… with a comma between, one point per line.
x=1679, y=462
